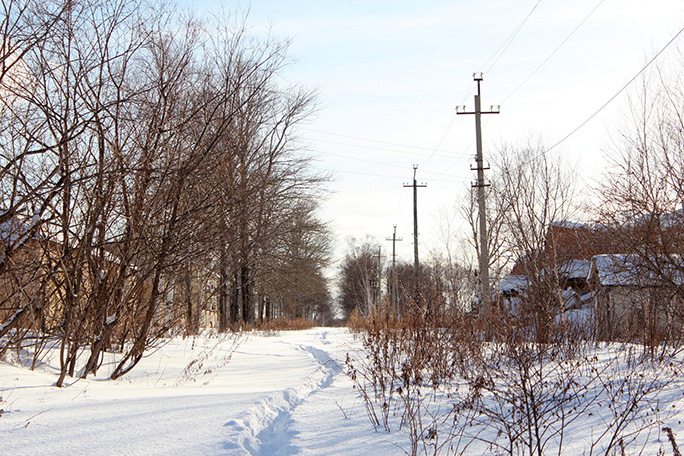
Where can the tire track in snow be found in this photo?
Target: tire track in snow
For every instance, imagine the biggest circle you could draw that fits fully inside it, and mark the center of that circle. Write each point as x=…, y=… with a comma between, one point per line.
x=265, y=429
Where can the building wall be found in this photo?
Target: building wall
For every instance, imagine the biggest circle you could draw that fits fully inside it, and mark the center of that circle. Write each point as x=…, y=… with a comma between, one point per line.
x=639, y=314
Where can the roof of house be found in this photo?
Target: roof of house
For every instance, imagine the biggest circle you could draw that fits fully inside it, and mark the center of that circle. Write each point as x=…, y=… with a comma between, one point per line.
x=633, y=270
x=513, y=283
x=570, y=224
x=575, y=269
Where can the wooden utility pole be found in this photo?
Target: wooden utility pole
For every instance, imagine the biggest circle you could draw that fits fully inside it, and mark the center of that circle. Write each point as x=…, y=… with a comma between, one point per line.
x=392, y=285
x=416, y=264
x=480, y=184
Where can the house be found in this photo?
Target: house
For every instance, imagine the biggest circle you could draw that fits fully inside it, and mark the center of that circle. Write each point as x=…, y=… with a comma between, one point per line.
x=566, y=241
x=190, y=298
x=23, y=290
x=630, y=281
x=511, y=290
x=566, y=256
x=634, y=300
x=569, y=276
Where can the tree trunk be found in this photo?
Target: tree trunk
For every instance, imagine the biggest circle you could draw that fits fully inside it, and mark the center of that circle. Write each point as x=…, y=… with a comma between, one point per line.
x=190, y=327
x=234, y=303
x=247, y=311
x=136, y=352
x=223, y=301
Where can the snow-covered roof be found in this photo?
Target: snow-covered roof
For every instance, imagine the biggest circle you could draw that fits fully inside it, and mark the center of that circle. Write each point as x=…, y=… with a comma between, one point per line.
x=11, y=230
x=568, y=293
x=575, y=269
x=569, y=224
x=674, y=219
x=512, y=283
x=588, y=296
x=632, y=270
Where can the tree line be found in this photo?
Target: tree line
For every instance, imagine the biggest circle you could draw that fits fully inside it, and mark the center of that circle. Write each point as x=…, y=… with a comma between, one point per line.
x=142, y=148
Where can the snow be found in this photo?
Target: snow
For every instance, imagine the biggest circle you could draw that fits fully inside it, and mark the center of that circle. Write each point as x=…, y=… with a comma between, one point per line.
x=12, y=230
x=632, y=270
x=569, y=224
x=252, y=394
x=511, y=283
x=259, y=394
x=575, y=269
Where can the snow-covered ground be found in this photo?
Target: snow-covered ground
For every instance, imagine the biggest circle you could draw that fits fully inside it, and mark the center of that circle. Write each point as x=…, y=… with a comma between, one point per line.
x=277, y=394
x=255, y=394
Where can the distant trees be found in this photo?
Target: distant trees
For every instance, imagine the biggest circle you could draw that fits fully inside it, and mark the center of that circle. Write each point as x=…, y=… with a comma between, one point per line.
x=366, y=282
x=292, y=272
x=140, y=147
x=360, y=274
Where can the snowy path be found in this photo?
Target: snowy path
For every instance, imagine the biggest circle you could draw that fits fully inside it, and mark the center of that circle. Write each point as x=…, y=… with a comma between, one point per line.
x=266, y=429
x=281, y=394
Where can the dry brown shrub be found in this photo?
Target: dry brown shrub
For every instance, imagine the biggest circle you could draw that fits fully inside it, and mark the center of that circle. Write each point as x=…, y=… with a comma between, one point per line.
x=435, y=375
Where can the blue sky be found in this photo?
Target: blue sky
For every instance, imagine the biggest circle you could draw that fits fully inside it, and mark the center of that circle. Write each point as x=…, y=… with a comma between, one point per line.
x=390, y=73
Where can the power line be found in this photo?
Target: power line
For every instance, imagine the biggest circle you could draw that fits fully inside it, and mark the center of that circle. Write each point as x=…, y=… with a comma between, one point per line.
x=382, y=175
x=407, y=146
x=553, y=53
x=443, y=138
x=502, y=49
x=505, y=44
x=364, y=146
x=448, y=169
x=392, y=165
x=365, y=160
x=400, y=205
x=540, y=66
x=624, y=87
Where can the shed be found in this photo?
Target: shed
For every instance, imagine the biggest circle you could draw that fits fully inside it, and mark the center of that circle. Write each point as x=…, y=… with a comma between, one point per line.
x=636, y=299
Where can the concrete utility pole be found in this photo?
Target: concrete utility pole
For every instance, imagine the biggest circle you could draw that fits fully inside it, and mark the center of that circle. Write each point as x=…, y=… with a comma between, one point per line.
x=392, y=285
x=480, y=184
x=416, y=264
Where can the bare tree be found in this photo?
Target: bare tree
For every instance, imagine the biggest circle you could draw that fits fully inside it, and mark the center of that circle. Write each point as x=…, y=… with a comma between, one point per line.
x=642, y=200
x=533, y=192
x=500, y=257
x=29, y=174
x=262, y=171
x=141, y=147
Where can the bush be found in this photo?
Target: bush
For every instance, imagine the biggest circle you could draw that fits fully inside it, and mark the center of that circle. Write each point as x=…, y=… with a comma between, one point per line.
x=432, y=375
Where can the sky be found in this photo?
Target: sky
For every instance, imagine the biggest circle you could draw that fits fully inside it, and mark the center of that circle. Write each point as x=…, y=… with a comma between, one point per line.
x=389, y=75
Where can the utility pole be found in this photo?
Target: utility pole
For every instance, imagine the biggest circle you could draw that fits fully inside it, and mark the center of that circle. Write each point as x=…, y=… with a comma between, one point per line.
x=416, y=264
x=392, y=285
x=376, y=286
x=480, y=184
